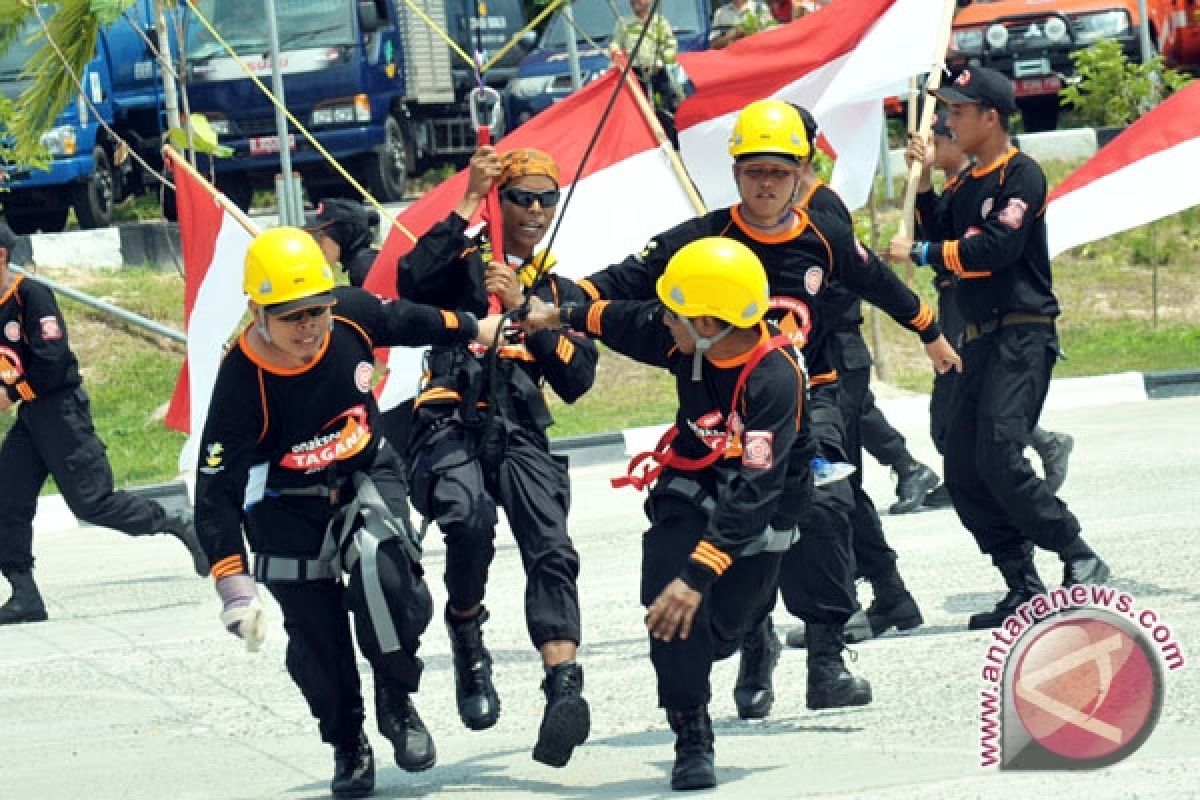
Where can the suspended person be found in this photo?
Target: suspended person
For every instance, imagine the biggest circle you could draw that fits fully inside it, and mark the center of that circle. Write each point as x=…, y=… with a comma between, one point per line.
x=479, y=438
x=726, y=501
x=53, y=435
x=345, y=232
x=991, y=234
x=801, y=252
x=292, y=467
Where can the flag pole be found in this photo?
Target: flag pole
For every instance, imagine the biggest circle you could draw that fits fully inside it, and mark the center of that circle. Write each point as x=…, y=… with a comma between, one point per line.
x=179, y=161
x=660, y=135
x=931, y=85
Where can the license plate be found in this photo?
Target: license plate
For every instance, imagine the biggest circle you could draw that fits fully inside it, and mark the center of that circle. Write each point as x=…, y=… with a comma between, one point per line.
x=266, y=145
x=1024, y=87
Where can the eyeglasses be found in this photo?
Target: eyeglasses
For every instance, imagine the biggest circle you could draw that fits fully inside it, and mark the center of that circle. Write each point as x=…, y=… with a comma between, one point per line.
x=762, y=174
x=524, y=198
x=302, y=314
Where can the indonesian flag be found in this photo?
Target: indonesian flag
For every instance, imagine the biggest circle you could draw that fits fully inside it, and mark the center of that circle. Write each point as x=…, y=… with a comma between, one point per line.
x=839, y=63
x=214, y=247
x=1154, y=160
x=626, y=193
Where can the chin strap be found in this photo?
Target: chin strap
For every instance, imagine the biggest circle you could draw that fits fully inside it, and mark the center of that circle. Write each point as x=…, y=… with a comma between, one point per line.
x=703, y=344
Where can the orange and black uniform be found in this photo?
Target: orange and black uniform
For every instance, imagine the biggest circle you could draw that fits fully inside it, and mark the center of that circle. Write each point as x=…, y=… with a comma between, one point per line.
x=710, y=526
x=479, y=434
x=816, y=583
x=991, y=235
x=277, y=457
x=53, y=432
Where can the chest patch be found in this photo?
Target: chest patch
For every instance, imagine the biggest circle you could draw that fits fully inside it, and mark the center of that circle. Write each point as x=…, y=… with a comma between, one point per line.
x=1013, y=214
x=362, y=376
x=12, y=330
x=758, y=449
x=813, y=277
x=51, y=330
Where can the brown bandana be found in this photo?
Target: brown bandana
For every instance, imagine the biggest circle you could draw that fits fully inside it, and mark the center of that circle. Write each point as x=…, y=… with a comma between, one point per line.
x=526, y=161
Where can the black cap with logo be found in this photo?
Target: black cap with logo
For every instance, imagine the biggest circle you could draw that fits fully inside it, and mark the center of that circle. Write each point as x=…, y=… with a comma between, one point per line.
x=981, y=85
x=345, y=221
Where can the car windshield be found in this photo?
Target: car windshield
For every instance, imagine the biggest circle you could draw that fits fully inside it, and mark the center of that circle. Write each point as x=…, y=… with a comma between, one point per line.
x=302, y=23
x=595, y=20
x=21, y=51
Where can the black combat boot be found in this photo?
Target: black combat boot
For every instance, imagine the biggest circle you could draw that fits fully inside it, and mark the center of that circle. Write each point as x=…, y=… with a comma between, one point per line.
x=26, y=604
x=857, y=629
x=478, y=703
x=830, y=684
x=1081, y=565
x=353, y=769
x=893, y=607
x=753, y=694
x=694, y=768
x=182, y=525
x=1021, y=577
x=938, y=498
x=914, y=480
x=567, y=719
x=399, y=722
x=1054, y=450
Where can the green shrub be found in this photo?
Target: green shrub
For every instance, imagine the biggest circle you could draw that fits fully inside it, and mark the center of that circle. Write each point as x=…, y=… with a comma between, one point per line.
x=1112, y=90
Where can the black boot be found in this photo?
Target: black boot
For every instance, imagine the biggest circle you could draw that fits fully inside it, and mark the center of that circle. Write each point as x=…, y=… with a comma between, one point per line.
x=938, y=498
x=182, y=525
x=1081, y=565
x=399, y=722
x=566, y=720
x=830, y=684
x=353, y=769
x=694, y=768
x=753, y=694
x=25, y=605
x=1054, y=449
x=914, y=480
x=857, y=629
x=478, y=703
x=1021, y=577
x=893, y=606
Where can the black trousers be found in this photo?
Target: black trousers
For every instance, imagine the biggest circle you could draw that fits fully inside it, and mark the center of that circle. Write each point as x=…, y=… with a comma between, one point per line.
x=997, y=402
x=316, y=617
x=452, y=484
x=733, y=604
x=54, y=435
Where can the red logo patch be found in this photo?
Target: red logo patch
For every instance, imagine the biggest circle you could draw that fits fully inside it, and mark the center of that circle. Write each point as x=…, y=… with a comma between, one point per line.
x=759, y=449
x=10, y=366
x=12, y=330
x=963, y=78
x=362, y=376
x=814, y=277
x=1013, y=214
x=51, y=330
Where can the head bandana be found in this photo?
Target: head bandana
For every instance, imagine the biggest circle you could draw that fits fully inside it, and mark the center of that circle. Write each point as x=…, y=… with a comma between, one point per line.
x=526, y=161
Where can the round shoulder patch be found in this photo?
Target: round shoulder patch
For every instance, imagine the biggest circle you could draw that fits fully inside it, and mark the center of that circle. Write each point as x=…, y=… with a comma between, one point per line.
x=362, y=376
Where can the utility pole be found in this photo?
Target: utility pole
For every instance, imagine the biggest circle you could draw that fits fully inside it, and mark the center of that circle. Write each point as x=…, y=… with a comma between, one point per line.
x=170, y=90
x=1144, y=31
x=291, y=210
x=568, y=12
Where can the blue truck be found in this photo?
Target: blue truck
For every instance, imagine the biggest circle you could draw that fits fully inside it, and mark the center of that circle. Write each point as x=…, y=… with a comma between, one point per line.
x=90, y=171
x=543, y=77
x=373, y=83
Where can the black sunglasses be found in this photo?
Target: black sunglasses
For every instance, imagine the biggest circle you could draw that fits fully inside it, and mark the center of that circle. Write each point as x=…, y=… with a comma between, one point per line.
x=299, y=315
x=524, y=198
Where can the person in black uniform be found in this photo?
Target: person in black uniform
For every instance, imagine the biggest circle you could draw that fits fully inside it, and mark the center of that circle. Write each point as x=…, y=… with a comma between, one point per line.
x=53, y=434
x=479, y=438
x=991, y=235
x=345, y=231
x=731, y=484
x=802, y=252
x=292, y=456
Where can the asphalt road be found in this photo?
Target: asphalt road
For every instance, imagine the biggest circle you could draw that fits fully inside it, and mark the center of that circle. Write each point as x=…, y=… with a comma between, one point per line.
x=133, y=690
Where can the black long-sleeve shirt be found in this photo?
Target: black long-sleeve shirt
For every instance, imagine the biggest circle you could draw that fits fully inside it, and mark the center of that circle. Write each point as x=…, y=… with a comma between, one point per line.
x=768, y=445
x=297, y=428
x=35, y=356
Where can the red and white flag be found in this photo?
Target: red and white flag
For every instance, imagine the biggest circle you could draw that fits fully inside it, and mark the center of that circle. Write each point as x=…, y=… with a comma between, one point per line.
x=214, y=248
x=1154, y=160
x=839, y=63
x=626, y=193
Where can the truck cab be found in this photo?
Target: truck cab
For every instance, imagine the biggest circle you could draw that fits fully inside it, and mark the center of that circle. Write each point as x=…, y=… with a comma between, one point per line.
x=544, y=76
x=1030, y=41
x=377, y=88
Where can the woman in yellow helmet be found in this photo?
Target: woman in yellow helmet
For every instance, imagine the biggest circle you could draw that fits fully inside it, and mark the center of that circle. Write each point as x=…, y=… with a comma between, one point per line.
x=291, y=442
x=730, y=481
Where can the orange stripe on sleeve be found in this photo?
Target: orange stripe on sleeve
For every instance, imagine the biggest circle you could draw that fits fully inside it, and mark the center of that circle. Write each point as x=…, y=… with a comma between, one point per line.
x=923, y=318
x=565, y=349
x=712, y=557
x=595, y=312
x=230, y=565
x=450, y=320
x=589, y=289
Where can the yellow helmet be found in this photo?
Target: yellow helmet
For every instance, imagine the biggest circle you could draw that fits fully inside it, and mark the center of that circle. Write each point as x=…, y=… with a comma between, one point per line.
x=285, y=265
x=769, y=127
x=716, y=277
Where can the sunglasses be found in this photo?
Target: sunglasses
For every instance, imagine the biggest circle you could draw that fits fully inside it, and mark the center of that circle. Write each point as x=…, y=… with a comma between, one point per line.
x=524, y=198
x=302, y=314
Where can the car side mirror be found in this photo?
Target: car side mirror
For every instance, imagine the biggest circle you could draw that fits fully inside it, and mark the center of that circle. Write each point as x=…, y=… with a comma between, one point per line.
x=527, y=41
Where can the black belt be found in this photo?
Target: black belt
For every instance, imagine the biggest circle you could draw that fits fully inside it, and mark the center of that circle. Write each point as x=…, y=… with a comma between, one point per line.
x=974, y=330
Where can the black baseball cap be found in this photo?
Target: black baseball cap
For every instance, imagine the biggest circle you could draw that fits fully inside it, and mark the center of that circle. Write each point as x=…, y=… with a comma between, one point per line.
x=981, y=85
x=8, y=239
x=334, y=210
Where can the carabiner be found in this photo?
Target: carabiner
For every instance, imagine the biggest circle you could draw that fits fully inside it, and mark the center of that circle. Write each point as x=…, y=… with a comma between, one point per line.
x=475, y=100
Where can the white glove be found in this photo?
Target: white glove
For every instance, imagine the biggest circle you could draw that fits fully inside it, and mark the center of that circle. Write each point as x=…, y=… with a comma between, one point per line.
x=242, y=614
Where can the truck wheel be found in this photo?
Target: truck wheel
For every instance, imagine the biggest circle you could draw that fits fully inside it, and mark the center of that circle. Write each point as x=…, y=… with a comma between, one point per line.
x=1040, y=113
x=95, y=200
x=387, y=167
x=25, y=222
